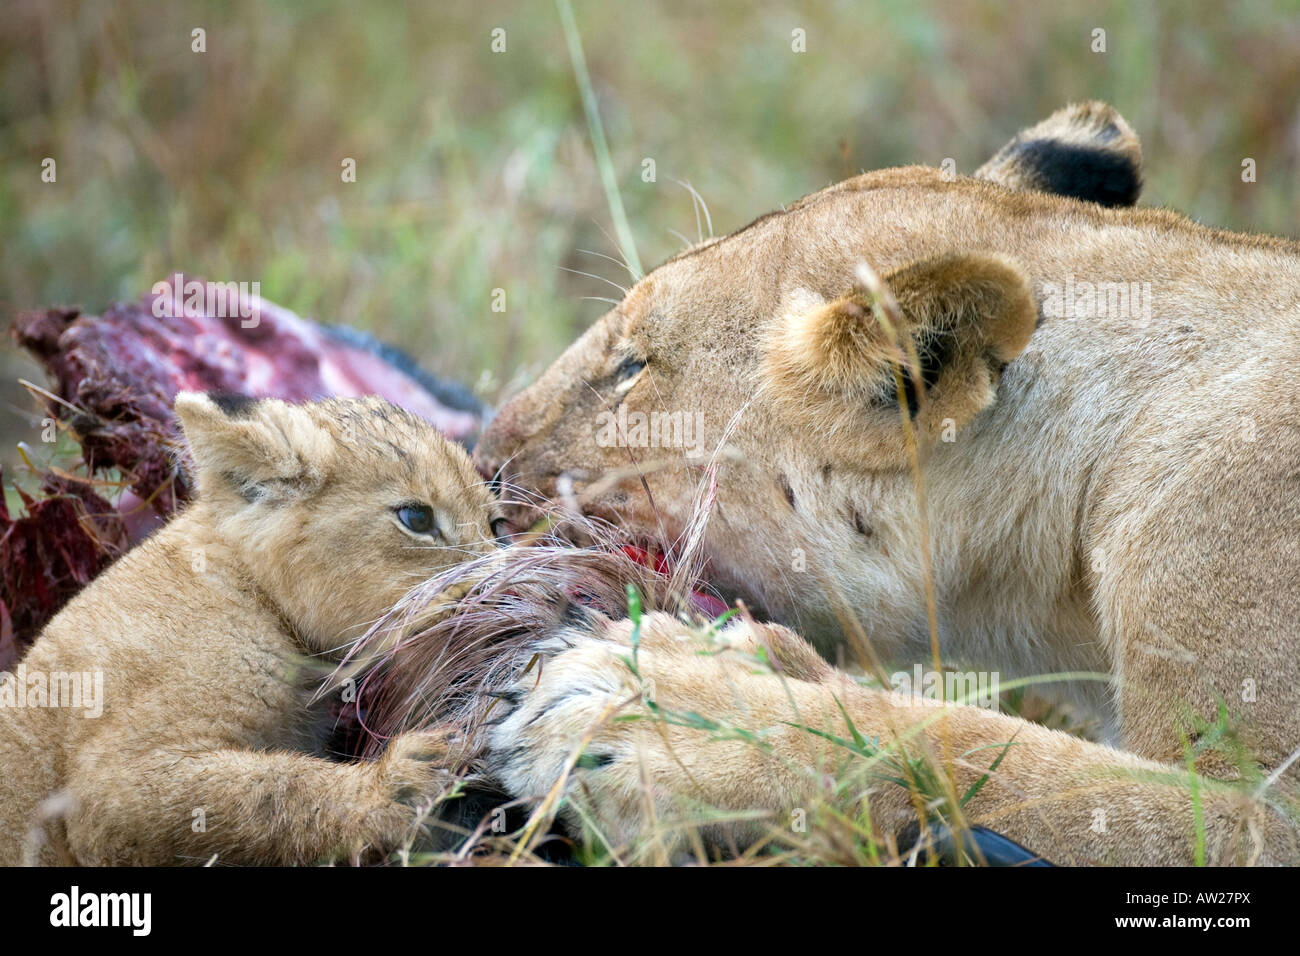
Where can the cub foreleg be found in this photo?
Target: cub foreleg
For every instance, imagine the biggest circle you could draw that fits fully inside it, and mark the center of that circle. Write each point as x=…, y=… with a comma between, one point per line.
x=172, y=806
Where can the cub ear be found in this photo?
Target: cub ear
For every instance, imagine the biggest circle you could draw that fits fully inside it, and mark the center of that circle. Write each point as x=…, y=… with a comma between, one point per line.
x=1086, y=151
x=257, y=448
x=966, y=314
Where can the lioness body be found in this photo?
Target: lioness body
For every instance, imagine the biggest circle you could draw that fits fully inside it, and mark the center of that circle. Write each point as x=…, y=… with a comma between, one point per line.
x=1128, y=504
x=1113, y=488
x=211, y=637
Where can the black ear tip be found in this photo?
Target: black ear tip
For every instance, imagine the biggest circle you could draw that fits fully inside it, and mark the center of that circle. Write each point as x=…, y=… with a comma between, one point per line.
x=1102, y=176
x=233, y=404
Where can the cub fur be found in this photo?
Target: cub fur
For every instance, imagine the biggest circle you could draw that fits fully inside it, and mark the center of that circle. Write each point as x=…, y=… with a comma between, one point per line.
x=310, y=522
x=1104, y=415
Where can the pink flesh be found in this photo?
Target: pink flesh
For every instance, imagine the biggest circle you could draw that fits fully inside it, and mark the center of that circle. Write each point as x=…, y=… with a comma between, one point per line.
x=707, y=604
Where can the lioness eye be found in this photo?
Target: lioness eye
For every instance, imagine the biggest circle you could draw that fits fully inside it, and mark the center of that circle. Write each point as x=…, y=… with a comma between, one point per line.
x=630, y=368
x=625, y=376
x=419, y=518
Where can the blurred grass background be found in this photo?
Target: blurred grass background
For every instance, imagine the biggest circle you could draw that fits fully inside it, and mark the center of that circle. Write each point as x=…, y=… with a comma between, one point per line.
x=475, y=169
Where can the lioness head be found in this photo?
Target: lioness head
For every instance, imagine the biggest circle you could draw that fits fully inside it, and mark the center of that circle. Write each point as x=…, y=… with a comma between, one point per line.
x=765, y=344
x=334, y=508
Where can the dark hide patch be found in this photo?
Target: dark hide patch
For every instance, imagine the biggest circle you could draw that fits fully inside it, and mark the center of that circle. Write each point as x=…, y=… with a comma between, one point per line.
x=234, y=404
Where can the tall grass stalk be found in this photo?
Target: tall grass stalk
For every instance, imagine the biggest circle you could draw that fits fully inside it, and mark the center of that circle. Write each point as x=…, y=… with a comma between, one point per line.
x=598, y=143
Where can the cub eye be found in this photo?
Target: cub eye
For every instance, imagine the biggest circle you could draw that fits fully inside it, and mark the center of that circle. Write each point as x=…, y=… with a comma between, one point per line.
x=500, y=527
x=419, y=518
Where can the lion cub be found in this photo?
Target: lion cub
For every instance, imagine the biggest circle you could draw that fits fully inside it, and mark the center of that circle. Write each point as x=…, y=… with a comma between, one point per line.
x=309, y=523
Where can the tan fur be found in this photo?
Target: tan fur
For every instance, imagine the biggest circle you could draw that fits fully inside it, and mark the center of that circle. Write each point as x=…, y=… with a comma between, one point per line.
x=1123, y=498
x=832, y=367
x=212, y=635
x=1071, y=801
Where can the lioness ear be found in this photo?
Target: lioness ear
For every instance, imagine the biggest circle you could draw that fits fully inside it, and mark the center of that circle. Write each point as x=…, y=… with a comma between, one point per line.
x=1086, y=151
x=966, y=314
x=258, y=448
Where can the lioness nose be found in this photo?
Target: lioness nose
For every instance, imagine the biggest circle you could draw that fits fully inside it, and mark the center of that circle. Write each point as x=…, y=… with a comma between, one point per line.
x=518, y=515
x=488, y=471
x=492, y=452
x=490, y=455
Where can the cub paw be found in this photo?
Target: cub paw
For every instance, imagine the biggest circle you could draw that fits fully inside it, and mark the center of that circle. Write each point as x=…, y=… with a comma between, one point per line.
x=419, y=766
x=416, y=772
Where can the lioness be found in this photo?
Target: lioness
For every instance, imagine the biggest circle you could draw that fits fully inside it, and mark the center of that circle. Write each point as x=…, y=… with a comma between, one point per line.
x=1108, y=443
x=310, y=522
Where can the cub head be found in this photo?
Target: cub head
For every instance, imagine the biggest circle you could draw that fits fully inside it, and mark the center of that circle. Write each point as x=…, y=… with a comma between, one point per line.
x=765, y=355
x=334, y=508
